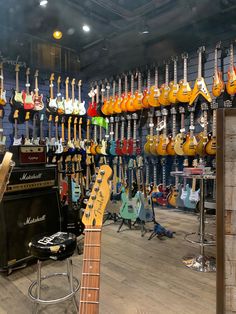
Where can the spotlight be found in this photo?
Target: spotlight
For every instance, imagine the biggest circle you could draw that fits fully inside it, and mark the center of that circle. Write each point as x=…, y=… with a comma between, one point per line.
x=86, y=28
x=57, y=34
x=145, y=30
x=43, y=3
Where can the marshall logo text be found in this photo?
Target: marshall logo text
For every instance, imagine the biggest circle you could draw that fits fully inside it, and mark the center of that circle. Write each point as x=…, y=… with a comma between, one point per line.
x=30, y=220
x=27, y=176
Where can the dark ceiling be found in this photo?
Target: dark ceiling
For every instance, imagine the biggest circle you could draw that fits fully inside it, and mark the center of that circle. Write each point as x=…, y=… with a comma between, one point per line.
x=115, y=42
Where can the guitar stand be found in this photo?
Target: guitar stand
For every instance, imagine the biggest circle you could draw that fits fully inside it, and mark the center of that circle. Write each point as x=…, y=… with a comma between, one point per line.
x=111, y=216
x=125, y=221
x=142, y=224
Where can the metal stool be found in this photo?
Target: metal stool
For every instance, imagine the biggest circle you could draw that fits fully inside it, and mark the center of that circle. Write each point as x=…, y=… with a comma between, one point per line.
x=59, y=246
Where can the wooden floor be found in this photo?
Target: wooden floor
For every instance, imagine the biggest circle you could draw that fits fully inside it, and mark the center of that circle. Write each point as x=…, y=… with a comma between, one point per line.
x=137, y=276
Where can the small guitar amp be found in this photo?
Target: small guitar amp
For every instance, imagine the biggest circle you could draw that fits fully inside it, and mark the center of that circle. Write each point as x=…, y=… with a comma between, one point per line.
x=25, y=155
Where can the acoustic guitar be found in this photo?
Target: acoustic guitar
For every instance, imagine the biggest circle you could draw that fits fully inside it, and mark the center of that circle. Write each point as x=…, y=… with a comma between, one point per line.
x=38, y=99
x=200, y=87
x=189, y=146
x=184, y=92
x=163, y=139
x=3, y=99
x=218, y=83
x=137, y=103
x=28, y=97
x=231, y=83
x=92, y=220
x=52, y=102
x=174, y=86
x=180, y=137
x=17, y=99
x=153, y=98
x=164, y=96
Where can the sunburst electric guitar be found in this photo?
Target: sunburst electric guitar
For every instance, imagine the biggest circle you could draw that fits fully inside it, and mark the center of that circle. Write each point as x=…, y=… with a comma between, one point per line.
x=231, y=83
x=174, y=86
x=164, y=97
x=218, y=83
x=184, y=92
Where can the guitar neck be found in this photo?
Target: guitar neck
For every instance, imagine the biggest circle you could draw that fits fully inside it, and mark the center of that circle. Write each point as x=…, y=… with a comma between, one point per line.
x=214, y=123
x=17, y=81
x=15, y=129
x=90, y=281
x=51, y=90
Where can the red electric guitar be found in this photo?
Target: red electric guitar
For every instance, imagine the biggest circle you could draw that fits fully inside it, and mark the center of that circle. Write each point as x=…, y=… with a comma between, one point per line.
x=162, y=188
x=92, y=109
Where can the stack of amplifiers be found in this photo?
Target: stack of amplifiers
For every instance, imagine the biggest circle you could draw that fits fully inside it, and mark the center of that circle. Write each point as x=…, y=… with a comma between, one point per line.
x=30, y=206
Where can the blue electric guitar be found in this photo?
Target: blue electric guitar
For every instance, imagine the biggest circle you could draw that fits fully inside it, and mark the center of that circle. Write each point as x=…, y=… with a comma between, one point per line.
x=113, y=141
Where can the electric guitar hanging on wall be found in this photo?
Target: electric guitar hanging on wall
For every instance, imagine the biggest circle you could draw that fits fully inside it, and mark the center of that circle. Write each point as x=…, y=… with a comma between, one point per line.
x=218, y=83
x=27, y=96
x=164, y=99
x=189, y=147
x=2, y=137
x=146, y=92
x=153, y=98
x=81, y=104
x=130, y=101
x=27, y=140
x=3, y=99
x=124, y=96
x=164, y=190
x=184, y=92
x=73, y=99
x=16, y=141
x=210, y=147
x=52, y=104
x=137, y=103
x=163, y=142
x=231, y=83
x=117, y=108
x=170, y=146
x=200, y=87
x=68, y=102
x=17, y=99
x=180, y=137
x=38, y=99
x=200, y=148
x=174, y=86
x=60, y=100
x=92, y=220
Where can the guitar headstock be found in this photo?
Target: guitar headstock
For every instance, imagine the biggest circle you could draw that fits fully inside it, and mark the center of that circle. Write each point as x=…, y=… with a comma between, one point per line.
x=80, y=121
x=80, y=83
x=173, y=111
x=75, y=120
x=174, y=58
x=195, y=163
x=56, y=119
x=27, y=116
x=201, y=49
x=111, y=119
x=184, y=55
x=16, y=114
x=27, y=71
x=51, y=77
x=63, y=120
x=17, y=68
x=140, y=161
x=36, y=73
x=88, y=122
x=69, y=120
x=73, y=82
x=67, y=80
x=181, y=110
x=158, y=113
x=99, y=197
x=50, y=118
x=59, y=80
x=135, y=116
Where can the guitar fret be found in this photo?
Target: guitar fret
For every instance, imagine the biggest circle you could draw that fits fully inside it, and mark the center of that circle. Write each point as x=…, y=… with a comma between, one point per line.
x=92, y=245
x=91, y=260
x=89, y=288
x=93, y=230
x=90, y=274
x=92, y=302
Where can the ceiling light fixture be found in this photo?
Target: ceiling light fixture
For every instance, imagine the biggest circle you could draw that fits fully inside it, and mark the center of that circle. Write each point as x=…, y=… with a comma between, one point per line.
x=86, y=28
x=43, y=3
x=57, y=34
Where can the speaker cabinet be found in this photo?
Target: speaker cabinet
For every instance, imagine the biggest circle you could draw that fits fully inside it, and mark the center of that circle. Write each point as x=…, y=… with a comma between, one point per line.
x=21, y=218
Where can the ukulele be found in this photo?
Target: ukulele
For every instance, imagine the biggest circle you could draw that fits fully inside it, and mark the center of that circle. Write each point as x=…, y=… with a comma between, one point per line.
x=113, y=143
x=3, y=99
x=218, y=83
x=130, y=101
x=17, y=99
x=200, y=148
x=92, y=109
x=231, y=83
x=162, y=188
x=200, y=87
x=38, y=99
x=136, y=149
x=2, y=137
x=180, y=137
x=117, y=108
x=146, y=92
x=130, y=205
x=81, y=104
x=58, y=142
x=74, y=101
x=41, y=137
x=92, y=220
x=27, y=96
x=68, y=102
x=149, y=138
x=105, y=106
x=170, y=147
x=125, y=96
x=153, y=98
x=163, y=139
x=163, y=98
x=60, y=101
x=184, y=92
x=119, y=142
x=52, y=104
x=189, y=147
x=27, y=140
x=210, y=147
x=137, y=103
x=16, y=141
x=174, y=86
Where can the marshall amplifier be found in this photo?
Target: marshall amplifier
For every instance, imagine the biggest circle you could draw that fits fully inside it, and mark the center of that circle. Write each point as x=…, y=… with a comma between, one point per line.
x=32, y=178
x=23, y=218
x=25, y=155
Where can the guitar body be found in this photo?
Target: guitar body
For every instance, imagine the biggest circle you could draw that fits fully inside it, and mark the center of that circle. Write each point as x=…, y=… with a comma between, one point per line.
x=93, y=148
x=75, y=105
x=178, y=146
x=218, y=84
x=18, y=98
x=184, y=92
x=231, y=83
x=113, y=148
x=189, y=147
x=52, y=105
x=170, y=147
x=129, y=208
x=59, y=147
x=210, y=147
x=162, y=195
x=145, y=100
x=104, y=107
x=130, y=147
x=92, y=110
x=137, y=148
x=179, y=201
x=38, y=103
x=119, y=148
x=117, y=108
x=162, y=145
x=76, y=191
x=3, y=99
x=81, y=108
x=110, y=108
x=68, y=106
x=200, y=88
x=164, y=98
x=172, y=96
x=60, y=106
x=153, y=146
x=125, y=147
x=200, y=148
x=153, y=97
x=172, y=197
x=88, y=144
x=148, y=144
x=137, y=103
x=129, y=104
x=123, y=103
x=145, y=212
x=187, y=202
x=28, y=101
x=194, y=196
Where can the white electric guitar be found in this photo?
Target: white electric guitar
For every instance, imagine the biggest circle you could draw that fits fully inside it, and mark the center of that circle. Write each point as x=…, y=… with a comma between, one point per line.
x=82, y=110
x=75, y=103
x=68, y=102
